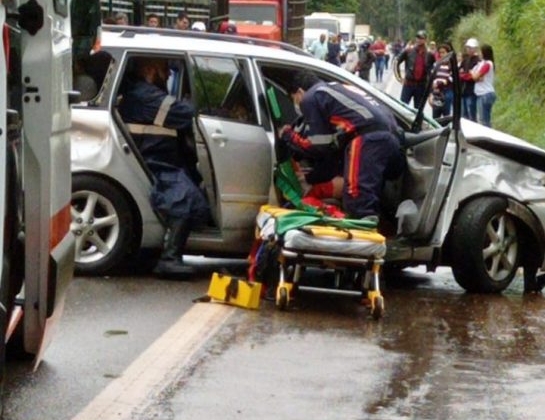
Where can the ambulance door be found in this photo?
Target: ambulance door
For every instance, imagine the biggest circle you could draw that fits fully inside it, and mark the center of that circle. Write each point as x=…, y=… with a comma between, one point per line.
x=46, y=70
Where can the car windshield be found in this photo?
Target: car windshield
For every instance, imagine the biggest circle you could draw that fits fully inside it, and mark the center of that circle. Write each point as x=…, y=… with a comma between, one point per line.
x=253, y=13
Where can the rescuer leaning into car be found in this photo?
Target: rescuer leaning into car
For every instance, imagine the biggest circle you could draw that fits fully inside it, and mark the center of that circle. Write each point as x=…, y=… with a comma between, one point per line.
x=160, y=126
x=343, y=120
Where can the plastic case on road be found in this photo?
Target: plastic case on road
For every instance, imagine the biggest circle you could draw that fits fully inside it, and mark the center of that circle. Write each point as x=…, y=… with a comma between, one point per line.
x=235, y=291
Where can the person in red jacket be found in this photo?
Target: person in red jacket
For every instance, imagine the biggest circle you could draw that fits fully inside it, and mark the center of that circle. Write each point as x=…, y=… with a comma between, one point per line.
x=379, y=49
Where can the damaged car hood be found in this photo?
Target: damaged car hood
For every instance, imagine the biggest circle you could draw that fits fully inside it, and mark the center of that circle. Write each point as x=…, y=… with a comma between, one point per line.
x=503, y=144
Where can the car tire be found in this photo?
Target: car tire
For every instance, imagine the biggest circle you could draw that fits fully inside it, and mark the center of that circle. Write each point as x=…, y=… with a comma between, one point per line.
x=102, y=223
x=485, y=246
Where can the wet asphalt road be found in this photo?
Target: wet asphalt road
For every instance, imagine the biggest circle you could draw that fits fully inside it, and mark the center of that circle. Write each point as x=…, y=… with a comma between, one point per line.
x=437, y=354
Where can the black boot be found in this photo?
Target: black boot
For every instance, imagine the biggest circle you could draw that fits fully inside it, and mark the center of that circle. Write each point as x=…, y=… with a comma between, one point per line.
x=171, y=262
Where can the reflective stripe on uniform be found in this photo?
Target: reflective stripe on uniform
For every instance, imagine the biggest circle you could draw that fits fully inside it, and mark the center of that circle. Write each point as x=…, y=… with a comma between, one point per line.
x=354, y=167
x=347, y=101
x=320, y=139
x=162, y=112
x=151, y=129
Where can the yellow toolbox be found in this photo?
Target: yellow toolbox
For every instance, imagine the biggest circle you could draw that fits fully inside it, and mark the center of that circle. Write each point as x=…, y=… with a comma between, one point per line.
x=235, y=291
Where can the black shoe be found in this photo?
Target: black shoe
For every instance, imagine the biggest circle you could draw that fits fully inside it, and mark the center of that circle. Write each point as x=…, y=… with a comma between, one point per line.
x=172, y=268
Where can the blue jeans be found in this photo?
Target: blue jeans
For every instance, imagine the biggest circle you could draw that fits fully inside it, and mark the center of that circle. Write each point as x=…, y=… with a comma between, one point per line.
x=469, y=107
x=413, y=91
x=379, y=67
x=484, y=105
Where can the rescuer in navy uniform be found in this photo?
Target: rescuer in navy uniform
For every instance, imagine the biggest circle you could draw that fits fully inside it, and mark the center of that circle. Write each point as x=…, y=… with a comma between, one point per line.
x=340, y=118
x=160, y=126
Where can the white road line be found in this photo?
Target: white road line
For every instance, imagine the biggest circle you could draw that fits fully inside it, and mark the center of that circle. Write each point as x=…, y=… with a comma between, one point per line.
x=158, y=366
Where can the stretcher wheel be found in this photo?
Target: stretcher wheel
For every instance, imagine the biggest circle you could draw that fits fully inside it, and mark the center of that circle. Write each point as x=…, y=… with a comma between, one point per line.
x=282, y=298
x=377, y=307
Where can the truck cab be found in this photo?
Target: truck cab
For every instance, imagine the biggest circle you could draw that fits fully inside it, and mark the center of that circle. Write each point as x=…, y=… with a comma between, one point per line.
x=276, y=20
x=257, y=18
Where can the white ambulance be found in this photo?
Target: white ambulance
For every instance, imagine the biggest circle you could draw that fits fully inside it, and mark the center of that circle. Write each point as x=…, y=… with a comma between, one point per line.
x=35, y=182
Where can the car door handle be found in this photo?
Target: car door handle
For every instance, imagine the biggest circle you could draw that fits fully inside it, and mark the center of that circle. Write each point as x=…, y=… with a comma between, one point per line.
x=219, y=137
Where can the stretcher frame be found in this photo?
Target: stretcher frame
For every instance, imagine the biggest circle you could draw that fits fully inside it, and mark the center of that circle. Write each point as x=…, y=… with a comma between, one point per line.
x=300, y=259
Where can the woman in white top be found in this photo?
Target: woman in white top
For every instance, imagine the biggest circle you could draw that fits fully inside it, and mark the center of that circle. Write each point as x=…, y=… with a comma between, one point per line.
x=483, y=74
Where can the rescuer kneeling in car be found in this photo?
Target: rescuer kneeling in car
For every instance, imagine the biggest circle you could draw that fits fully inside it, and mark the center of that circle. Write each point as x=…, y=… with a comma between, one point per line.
x=349, y=121
x=160, y=126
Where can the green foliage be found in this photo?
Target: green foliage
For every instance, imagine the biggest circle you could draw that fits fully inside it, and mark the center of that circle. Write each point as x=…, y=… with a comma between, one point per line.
x=510, y=14
x=443, y=16
x=333, y=6
x=514, y=28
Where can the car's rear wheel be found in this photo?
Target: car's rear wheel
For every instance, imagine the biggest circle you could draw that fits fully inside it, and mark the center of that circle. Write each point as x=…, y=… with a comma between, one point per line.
x=485, y=246
x=102, y=223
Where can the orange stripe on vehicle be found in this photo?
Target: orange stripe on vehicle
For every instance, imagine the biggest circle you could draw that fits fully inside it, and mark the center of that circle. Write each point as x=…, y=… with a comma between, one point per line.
x=59, y=226
x=354, y=166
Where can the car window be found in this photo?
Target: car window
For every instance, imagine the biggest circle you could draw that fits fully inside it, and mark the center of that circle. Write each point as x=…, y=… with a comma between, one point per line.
x=276, y=77
x=221, y=89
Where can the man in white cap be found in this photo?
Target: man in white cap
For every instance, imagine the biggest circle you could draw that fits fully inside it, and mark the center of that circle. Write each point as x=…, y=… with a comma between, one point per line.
x=198, y=26
x=469, y=60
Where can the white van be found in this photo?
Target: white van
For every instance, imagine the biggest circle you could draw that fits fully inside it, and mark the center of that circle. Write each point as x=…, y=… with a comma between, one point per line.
x=320, y=23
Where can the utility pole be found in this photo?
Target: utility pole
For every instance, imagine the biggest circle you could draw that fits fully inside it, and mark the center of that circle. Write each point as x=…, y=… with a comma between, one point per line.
x=399, y=30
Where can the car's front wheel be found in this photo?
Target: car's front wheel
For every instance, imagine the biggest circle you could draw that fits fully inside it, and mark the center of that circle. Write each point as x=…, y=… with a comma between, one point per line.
x=102, y=223
x=485, y=246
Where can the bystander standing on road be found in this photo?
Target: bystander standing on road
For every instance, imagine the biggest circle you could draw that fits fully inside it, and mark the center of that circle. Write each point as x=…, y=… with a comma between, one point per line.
x=351, y=58
x=442, y=93
x=418, y=64
x=153, y=21
x=182, y=21
x=483, y=75
x=333, y=55
x=379, y=49
x=366, y=60
x=469, y=61
x=121, y=18
x=318, y=48
x=198, y=26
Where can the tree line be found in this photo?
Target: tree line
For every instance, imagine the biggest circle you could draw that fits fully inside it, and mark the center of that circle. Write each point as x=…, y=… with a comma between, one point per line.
x=402, y=18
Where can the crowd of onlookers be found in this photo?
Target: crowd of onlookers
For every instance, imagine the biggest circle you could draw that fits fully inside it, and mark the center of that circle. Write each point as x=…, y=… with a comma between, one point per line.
x=476, y=65
x=182, y=22
x=419, y=56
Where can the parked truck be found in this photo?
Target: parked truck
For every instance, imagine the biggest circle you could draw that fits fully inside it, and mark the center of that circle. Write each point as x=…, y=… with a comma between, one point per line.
x=278, y=20
x=347, y=25
x=211, y=12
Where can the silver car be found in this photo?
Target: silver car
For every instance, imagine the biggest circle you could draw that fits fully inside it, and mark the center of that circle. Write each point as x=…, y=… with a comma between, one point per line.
x=472, y=198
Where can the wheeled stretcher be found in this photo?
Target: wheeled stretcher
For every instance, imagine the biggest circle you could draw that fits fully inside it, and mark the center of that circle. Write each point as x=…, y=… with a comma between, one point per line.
x=353, y=250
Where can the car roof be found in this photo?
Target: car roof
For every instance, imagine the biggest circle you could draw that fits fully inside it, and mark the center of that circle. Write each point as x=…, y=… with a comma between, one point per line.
x=176, y=40
x=173, y=40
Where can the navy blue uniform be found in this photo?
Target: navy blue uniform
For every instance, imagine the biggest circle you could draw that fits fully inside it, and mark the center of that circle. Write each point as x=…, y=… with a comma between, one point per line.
x=157, y=123
x=347, y=119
